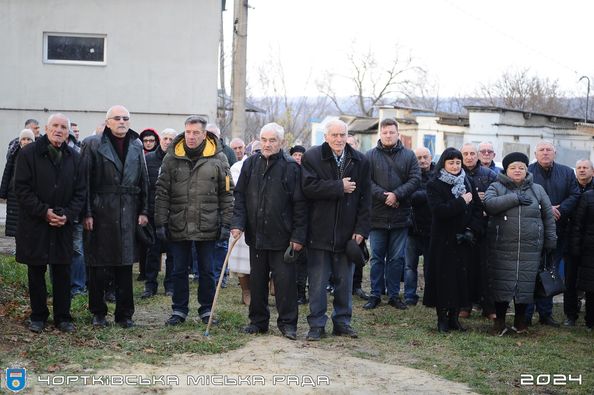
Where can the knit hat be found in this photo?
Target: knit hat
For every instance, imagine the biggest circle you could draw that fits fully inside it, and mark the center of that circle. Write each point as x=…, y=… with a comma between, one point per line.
x=297, y=148
x=514, y=157
x=27, y=133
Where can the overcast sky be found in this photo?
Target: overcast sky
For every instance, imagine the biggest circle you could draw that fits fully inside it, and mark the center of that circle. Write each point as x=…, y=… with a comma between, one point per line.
x=461, y=43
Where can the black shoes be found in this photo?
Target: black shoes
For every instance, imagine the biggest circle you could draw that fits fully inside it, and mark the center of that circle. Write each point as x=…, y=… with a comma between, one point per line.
x=453, y=322
x=569, y=322
x=289, y=332
x=549, y=321
x=175, y=320
x=36, y=326
x=252, y=329
x=443, y=325
x=206, y=318
x=125, y=323
x=147, y=294
x=141, y=277
x=360, y=293
x=372, y=303
x=99, y=321
x=397, y=303
x=66, y=327
x=315, y=334
x=344, y=330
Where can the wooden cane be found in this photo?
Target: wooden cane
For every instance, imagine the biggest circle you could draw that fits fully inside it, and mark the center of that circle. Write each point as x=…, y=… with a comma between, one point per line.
x=214, y=301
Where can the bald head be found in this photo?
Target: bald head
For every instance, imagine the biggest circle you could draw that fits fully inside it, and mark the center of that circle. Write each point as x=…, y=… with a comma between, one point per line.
x=118, y=120
x=424, y=157
x=584, y=171
x=469, y=155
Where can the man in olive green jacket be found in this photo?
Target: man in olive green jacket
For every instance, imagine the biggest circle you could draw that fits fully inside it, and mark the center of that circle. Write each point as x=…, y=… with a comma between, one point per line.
x=193, y=206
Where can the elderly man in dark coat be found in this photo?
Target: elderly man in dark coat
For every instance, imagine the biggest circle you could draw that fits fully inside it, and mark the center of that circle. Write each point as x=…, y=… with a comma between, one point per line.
x=271, y=209
x=50, y=187
x=336, y=180
x=117, y=202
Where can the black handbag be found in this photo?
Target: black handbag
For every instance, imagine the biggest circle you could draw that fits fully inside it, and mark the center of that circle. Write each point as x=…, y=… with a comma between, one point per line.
x=548, y=281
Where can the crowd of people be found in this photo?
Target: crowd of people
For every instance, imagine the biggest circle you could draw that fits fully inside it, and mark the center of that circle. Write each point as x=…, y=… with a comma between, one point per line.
x=301, y=221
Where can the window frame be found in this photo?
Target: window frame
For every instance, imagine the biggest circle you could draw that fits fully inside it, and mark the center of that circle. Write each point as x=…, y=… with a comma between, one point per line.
x=46, y=35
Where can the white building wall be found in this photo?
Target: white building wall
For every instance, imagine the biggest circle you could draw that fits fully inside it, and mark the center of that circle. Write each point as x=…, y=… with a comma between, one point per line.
x=162, y=62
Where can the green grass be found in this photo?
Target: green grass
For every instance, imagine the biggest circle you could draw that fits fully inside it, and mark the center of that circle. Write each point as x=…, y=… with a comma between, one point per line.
x=488, y=364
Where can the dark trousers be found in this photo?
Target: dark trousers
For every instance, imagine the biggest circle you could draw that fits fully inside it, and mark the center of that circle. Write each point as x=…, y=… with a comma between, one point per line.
x=153, y=266
x=122, y=280
x=263, y=262
x=60, y=278
x=320, y=264
x=357, y=277
x=501, y=309
x=182, y=260
x=570, y=297
x=301, y=267
x=590, y=310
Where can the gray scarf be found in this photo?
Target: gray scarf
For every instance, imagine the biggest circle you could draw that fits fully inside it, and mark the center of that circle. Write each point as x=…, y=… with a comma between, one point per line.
x=457, y=182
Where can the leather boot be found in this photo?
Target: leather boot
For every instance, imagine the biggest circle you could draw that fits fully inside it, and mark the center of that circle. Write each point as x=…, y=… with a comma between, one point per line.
x=442, y=320
x=499, y=328
x=453, y=321
x=520, y=325
x=244, y=282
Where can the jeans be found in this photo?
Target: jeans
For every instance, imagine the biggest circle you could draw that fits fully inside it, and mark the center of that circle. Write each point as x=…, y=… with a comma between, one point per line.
x=78, y=273
x=182, y=258
x=387, y=260
x=320, y=264
x=415, y=246
x=220, y=253
x=544, y=306
x=153, y=266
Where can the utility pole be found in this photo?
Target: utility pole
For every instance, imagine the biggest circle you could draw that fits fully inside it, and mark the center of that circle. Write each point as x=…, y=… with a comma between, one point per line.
x=587, y=97
x=221, y=115
x=238, y=78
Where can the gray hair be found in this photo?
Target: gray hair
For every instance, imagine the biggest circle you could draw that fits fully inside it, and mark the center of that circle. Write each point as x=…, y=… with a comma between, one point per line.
x=236, y=140
x=473, y=145
x=585, y=160
x=52, y=116
x=273, y=127
x=193, y=119
x=335, y=122
x=31, y=121
x=214, y=129
x=545, y=142
x=108, y=114
x=169, y=132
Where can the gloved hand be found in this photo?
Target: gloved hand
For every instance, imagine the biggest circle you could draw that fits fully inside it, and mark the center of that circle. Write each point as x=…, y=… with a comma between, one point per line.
x=224, y=233
x=162, y=233
x=524, y=199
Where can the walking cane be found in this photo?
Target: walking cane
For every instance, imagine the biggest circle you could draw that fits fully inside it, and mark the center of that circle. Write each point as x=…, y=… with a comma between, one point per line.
x=214, y=301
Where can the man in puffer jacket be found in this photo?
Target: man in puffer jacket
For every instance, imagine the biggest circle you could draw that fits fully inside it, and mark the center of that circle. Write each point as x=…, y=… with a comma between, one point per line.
x=193, y=205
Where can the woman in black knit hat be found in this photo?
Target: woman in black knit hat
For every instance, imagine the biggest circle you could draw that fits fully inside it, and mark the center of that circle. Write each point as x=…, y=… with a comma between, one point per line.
x=521, y=225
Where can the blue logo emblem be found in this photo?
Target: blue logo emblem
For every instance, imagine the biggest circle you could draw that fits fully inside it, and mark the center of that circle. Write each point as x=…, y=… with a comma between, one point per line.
x=16, y=379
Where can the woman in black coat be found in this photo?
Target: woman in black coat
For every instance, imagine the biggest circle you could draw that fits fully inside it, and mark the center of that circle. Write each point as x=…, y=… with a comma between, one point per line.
x=456, y=223
x=582, y=248
x=7, y=186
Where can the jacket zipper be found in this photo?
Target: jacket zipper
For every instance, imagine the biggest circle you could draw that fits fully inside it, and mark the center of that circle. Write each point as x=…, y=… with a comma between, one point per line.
x=519, y=243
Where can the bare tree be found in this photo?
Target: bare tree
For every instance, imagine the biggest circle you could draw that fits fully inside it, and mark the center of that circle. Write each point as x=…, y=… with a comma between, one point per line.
x=522, y=90
x=293, y=113
x=373, y=83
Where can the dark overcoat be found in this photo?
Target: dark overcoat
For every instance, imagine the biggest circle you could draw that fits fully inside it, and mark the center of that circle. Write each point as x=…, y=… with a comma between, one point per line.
x=117, y=195
x=40, y=185
x=447, y=266
x=582, y=241
x=7, y=192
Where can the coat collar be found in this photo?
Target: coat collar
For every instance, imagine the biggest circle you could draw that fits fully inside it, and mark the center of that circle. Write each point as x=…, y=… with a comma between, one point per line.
x=107, y=149
x=41, y=146
x=327, y=153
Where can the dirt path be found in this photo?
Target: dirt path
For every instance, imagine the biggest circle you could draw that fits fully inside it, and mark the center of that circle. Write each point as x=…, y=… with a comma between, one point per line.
x=271, y=364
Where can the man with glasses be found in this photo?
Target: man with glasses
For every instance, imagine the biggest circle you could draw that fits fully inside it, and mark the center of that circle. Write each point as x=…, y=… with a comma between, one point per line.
x=193, y=206
x=117, y=183
x=486, y=155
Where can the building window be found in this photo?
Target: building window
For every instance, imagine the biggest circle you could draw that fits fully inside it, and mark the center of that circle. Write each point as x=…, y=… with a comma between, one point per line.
x=68, y=48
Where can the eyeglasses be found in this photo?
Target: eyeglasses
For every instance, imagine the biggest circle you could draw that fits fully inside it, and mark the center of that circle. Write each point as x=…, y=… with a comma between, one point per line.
x=486, y=151
x=148, y=140
x=120, y=118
